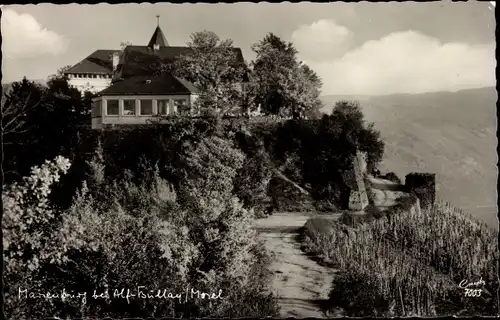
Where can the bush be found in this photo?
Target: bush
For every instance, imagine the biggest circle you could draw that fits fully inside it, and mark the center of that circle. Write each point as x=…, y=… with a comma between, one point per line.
x=317, y=152
x=28, y=220
x=351, y=290
x=316, y=235
x=252, y=180
x=290, y=146
x=315, y=227
x=198, y=236
x=221, y=226
x=286, y=198
x=99, y=249
x=100, y=259
x=325, y=206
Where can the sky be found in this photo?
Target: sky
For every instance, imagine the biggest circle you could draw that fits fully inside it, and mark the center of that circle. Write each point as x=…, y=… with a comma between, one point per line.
x=356, y=48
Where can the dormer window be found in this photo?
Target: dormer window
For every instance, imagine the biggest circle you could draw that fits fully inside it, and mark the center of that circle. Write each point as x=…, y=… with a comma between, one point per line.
x=156, y=47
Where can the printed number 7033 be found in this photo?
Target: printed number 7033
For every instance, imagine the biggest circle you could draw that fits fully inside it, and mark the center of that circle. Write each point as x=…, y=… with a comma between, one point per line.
x=473, y=292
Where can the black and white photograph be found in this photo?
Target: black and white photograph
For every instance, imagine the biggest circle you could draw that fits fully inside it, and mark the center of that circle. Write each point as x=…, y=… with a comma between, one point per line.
x=249, y=160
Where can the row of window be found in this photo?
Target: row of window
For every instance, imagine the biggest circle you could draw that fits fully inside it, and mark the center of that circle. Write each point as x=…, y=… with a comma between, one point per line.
x=165, y=107
x=89, y=76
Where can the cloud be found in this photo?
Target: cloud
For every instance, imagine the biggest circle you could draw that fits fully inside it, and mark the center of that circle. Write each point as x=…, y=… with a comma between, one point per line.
x=24, y=37
x=321, y=40
x=405, y=62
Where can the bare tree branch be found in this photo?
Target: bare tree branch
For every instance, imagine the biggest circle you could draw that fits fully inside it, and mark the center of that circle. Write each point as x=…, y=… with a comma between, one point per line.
x=11, y=112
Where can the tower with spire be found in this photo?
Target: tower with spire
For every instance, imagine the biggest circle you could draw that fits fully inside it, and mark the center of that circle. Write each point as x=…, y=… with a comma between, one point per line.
x=115, y=75
x=158, y=39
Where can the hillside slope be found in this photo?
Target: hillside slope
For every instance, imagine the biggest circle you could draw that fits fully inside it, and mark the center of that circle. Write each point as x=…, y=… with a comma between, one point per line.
x=450, y=133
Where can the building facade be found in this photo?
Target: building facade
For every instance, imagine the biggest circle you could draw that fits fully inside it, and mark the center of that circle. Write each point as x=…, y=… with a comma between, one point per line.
x=95, y=72
x=139, y=100
x=128, y=85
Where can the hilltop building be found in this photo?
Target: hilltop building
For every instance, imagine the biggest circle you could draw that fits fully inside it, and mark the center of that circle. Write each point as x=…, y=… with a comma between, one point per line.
x=129, y=88
x=94, y=73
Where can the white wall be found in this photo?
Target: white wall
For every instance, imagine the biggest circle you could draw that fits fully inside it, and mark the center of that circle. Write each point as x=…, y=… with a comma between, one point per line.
x=96, y=123
x=93, y=85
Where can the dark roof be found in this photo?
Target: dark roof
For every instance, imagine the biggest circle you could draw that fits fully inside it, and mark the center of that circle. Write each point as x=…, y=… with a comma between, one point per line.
x=101, y=61
x=143, y=61
x=165, y=84
x=158, y=38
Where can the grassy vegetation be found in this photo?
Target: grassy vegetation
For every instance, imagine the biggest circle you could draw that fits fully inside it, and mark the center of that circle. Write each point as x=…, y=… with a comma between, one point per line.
x=409, y=263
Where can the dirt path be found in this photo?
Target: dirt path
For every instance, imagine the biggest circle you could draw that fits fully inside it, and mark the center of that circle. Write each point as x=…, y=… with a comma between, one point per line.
x=301, y=284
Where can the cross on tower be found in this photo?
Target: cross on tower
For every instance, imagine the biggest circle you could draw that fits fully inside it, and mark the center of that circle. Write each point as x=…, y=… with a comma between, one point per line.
x=158, y=19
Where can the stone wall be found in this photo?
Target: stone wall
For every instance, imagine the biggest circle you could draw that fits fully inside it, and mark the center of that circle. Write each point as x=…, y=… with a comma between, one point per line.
x=423, y=185
x=362, y=159
x=358, y=199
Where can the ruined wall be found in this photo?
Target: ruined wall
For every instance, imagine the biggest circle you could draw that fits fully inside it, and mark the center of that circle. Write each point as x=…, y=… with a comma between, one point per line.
x=362, y=160
x=423, y=185
x=358, y=199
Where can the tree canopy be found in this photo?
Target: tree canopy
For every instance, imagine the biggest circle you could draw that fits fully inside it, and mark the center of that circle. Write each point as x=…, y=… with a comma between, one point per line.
x=283, y=85
x=40, y=122
x=210, y=65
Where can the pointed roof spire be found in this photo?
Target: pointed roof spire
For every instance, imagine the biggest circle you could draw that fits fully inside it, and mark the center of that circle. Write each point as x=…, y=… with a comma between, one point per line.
x=158, y=37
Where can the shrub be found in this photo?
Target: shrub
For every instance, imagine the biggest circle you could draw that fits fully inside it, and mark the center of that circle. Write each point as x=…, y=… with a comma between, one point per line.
x=354, y=220
x=317, y=152
x=285, y=197
x=137, y=230
x=222, y=228
x=28, y=220
x=351, y=290
x=252, y=180
x=109, y=249
x=318, y=226
x=100, y=259
x=326, y=206
x=316, y=233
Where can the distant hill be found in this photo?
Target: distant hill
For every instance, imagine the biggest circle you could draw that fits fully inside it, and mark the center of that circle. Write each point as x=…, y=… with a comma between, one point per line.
x=452, y=134
x=6, y=87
